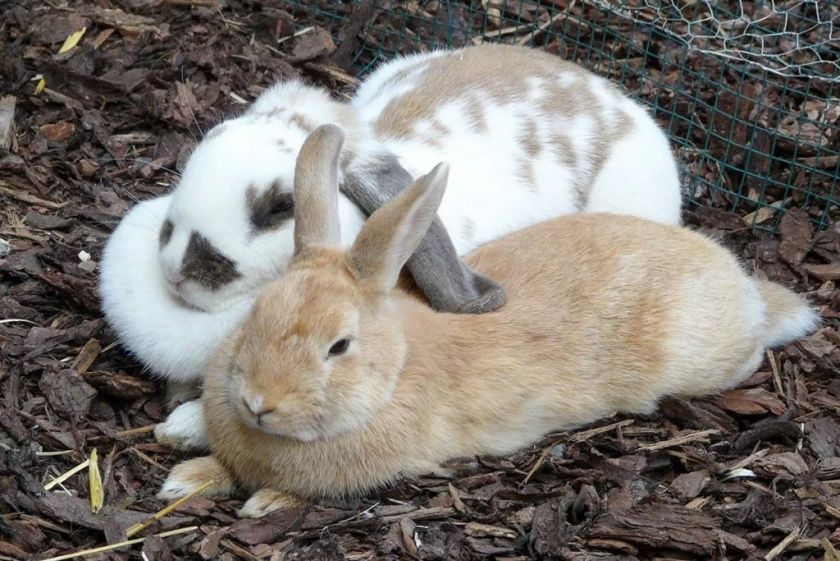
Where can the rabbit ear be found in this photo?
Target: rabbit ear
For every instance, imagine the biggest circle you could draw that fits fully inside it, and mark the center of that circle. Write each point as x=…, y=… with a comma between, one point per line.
x=392, y=232
x=316, y=189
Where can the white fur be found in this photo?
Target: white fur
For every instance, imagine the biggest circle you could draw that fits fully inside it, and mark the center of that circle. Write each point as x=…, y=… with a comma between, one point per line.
x=184, y=428
x=175, y=488
x=625, y=187
x=801, y=322
x=485, y=199
x=169, y=338
x=798, y=319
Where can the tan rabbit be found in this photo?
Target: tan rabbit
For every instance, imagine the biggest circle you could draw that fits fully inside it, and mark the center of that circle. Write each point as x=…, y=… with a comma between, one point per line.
x=337, y=383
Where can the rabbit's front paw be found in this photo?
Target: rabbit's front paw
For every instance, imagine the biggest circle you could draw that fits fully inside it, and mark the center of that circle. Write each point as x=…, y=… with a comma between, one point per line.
x=184, y=429
x=267, y=500
x=205, y=476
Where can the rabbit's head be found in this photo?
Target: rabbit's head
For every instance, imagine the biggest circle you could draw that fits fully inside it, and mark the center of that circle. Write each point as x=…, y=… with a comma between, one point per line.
x=322, y=349
x=229, y=228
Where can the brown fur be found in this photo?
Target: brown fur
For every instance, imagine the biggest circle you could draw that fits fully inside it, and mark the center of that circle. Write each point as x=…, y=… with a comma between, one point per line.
x=317, y=166
x=605, y=313
x=529, y=140
x=582, y=331
x=475, y=112
x=499, y=71
x=302, y=122
x=611, y=134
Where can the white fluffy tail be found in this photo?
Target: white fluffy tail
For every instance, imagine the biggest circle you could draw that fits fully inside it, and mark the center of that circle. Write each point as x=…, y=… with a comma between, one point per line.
x=788, y=315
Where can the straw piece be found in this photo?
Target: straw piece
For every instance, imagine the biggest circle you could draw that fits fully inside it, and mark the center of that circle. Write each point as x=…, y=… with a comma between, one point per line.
x=97, y=492
x=135, y=431
x=680, y=440
x=140, y=526
x=783, y=545
x=587, y=434
x=67, y=475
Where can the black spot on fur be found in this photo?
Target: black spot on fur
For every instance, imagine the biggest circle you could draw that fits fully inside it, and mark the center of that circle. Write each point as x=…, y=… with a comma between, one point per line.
x=205, y=265
x=270, y=209
x=165, y=232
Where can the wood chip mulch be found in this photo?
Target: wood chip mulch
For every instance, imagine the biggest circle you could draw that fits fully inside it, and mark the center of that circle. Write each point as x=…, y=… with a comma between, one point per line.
x=753, y=473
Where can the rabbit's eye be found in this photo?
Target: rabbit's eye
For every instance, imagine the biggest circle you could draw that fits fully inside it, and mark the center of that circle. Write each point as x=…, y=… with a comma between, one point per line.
x=271, y=208
x=283, y=206
x=340, y=347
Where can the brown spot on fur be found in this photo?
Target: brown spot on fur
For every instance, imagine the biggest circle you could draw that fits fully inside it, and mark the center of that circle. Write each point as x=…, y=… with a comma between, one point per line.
x=528, y=138
x=475, y=114
x=398, y=118
x=527, y=175
x=439, y=128
x=432, y=141
x=283, y=146
x=605, y=139
x=399, y=76
x=622, y=127
x=273, y=113
x=302, y=122
x=566, y=102
x=437, y=131
x=598, y=155
x=206, y=265
x=564, y=151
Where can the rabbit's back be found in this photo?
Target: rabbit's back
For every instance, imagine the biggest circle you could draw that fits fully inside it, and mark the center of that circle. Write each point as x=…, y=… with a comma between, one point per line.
x=623, y=307
x=528, y=136
x=414, y=89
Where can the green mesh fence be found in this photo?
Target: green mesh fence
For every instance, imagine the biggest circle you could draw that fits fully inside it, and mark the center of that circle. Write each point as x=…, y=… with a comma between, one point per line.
x=747, y=91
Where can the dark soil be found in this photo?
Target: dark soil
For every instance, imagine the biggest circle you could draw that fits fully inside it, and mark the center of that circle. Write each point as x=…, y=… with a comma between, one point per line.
x=751, y=474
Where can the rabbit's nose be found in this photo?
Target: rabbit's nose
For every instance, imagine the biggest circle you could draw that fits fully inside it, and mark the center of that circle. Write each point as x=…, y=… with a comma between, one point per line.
x=176, y=278
x=256, y=407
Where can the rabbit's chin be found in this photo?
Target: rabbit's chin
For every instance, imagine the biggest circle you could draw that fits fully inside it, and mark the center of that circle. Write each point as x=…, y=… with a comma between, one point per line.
x=193, y=296
x=300, y=433
x=177, y=299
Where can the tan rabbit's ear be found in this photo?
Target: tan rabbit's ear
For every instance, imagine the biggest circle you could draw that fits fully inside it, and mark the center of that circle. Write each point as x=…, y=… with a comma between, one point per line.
x=316, y=189
x=393, y=231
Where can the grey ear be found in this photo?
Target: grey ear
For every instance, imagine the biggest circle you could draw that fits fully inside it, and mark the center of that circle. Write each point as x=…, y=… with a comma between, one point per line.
x=316, y=189
x=392, y=233
x=446, y=281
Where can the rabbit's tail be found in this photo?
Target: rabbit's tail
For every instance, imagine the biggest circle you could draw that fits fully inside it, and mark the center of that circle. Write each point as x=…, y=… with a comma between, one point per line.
x=788, y=316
